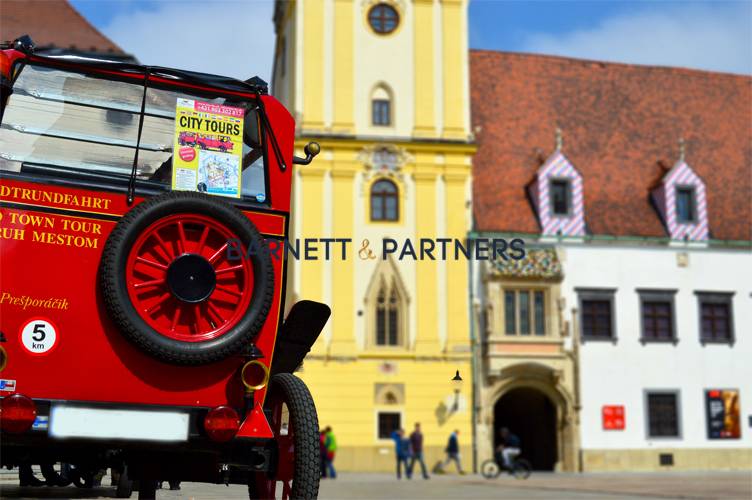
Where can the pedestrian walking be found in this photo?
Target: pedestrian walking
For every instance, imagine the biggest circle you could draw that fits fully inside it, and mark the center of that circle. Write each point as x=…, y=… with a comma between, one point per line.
x=331, y=449
x=453, y=452
x=322, y=451
x=416, y=444
x=402, y=452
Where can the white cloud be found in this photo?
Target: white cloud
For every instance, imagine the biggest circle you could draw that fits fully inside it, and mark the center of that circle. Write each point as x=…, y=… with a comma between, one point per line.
x=715, y=38
x=231, y=38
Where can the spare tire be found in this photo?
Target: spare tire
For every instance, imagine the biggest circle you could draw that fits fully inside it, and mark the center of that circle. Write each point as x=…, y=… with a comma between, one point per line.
x=170, y=285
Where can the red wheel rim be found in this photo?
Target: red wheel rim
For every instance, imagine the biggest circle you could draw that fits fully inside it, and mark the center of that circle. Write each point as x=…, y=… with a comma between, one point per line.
x=205, y=239
x=284, y=434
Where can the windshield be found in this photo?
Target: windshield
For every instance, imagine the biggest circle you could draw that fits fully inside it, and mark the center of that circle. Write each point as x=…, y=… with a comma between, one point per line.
x=60, y=118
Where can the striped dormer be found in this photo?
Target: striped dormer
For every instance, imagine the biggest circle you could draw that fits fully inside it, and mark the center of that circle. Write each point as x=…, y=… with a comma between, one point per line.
x=680, y=198
x=558, y=197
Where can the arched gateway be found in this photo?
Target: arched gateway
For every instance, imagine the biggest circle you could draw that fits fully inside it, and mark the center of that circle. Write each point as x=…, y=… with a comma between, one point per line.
x=531, y=415
x=533, y=401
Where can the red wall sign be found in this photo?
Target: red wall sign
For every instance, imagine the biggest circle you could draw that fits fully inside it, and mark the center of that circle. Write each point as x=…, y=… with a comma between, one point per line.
x=613, y=417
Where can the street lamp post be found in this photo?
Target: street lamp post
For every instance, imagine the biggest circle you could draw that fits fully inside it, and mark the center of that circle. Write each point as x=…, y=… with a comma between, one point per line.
x=457, y=384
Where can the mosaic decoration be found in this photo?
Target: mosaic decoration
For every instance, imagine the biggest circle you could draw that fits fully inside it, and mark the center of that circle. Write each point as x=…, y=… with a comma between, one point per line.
x=540, y=263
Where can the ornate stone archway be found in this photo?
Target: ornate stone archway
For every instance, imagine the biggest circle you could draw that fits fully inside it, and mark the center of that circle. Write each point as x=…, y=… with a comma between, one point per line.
x=547, y=381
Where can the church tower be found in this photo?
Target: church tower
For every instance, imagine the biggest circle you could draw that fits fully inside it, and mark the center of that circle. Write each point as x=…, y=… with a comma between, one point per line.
x=383, y=86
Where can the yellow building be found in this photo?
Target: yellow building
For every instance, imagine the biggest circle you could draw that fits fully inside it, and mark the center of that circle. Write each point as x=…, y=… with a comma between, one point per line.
x=383, y=87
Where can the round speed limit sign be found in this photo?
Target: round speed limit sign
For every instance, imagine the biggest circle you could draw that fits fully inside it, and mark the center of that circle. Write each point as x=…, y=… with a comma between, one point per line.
x=39, y=336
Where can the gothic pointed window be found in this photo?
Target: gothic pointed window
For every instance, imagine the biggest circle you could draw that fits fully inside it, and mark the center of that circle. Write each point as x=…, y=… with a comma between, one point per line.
x=387, y=304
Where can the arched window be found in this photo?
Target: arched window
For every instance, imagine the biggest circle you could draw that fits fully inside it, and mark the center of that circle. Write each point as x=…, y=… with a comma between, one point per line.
x=384, y=201
x=386, y=301
x=381, y=107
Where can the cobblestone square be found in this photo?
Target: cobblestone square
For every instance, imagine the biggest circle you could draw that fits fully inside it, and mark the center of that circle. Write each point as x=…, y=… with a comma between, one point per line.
x=699, y=485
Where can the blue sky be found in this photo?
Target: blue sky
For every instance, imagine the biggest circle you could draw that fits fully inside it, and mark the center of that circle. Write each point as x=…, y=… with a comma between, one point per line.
x=713, y=35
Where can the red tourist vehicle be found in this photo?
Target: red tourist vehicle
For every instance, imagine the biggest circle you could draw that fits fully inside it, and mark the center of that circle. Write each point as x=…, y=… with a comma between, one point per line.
x=222, y=144
x=130, y=337
x=187, y=139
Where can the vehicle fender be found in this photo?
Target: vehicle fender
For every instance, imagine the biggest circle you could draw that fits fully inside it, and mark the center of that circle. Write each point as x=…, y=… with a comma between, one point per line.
x=298, y=333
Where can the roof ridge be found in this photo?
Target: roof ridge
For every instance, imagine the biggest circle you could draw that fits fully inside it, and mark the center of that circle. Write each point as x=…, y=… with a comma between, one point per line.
x=81, y=16
x=570, y=59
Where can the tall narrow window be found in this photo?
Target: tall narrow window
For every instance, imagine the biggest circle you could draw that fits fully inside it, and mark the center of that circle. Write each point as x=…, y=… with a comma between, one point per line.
x=381, y=110
x=524, y=312
x=685, y=204
x=393, y=320
x=384, y=201
x=560, y=197
x=540, y=316
x=381, y=317
x=510, y=313
x=387, y=316
x=381, y=106
x=524, y=298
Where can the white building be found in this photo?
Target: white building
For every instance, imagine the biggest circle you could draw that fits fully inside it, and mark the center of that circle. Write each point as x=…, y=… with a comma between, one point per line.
x=622, y=341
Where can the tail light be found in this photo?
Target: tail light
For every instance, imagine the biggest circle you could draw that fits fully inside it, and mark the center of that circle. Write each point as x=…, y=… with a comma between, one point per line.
x=17, y=413
x=221, y=423
x=254, y=375
x=3, y=358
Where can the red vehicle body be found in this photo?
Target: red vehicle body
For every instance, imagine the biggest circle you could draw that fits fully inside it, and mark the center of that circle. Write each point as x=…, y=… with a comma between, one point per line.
x=187, y=139
x=118, y=295
x=211, y=143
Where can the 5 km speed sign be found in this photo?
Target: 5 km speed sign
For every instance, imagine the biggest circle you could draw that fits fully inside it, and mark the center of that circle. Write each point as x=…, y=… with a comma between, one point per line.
x=39, y=336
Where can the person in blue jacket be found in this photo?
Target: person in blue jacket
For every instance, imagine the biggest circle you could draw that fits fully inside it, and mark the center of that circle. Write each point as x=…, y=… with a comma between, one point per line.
x=403, y=452
x=453, y=452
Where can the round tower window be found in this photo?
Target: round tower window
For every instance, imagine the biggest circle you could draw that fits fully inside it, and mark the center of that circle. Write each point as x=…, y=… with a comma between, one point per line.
x=383, y=18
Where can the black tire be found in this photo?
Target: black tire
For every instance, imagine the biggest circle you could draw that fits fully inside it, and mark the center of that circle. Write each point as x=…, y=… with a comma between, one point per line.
x=521, y=468
x=85, y=480
x=147, y=489
x=307, y=469
x=490, y=469
x=124, y=485
x=118, y=303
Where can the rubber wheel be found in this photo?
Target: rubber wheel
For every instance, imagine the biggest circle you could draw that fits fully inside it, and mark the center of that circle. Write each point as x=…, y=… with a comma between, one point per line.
x=147, y=489
x=124, y=485
x=490, y=469
x=161, y=244
x=85, y=480
x=296, y=460
x=521, y=468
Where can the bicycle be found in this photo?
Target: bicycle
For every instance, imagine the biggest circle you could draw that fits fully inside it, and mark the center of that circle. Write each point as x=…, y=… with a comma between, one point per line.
x=492, y=468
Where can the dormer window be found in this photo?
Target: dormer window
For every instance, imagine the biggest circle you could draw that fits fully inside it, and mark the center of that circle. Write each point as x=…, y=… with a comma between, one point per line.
x=682, y=204
x=561, y=198
x=686, y=211
x=558, y=198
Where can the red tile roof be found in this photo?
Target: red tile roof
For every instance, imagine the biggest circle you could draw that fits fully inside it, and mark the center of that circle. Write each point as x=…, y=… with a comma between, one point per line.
x=621, y=126
x=52, y=24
